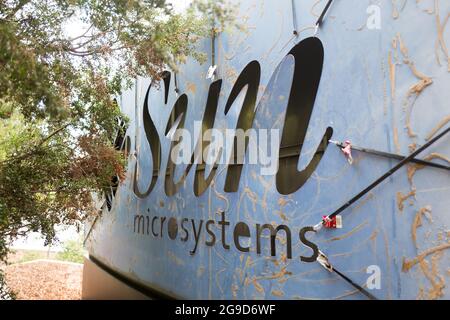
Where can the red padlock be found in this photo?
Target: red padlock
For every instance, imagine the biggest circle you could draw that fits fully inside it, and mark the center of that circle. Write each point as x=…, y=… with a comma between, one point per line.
x=332, y=223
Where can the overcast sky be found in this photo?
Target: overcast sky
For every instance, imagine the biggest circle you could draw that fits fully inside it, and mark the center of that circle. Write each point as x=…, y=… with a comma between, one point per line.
x=75, y=27
x=180, y=5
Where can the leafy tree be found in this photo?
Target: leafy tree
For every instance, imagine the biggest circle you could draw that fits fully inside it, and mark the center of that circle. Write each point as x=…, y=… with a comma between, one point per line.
x=4, y=293
x=72, y=251
x=57, y=108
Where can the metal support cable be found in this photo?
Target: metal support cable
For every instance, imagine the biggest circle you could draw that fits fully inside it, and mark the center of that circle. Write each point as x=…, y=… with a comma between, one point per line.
x=322, y=259
x=383, y=177
x=392, y=155
x=324, y=12
x=294, y=18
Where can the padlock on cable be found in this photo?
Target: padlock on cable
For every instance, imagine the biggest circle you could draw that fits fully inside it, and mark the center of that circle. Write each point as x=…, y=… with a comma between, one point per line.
x=347, y=150
x=332, y=223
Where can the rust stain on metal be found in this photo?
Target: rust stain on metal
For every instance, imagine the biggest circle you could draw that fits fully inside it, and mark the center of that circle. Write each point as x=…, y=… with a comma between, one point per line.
x=416, y=89
x=408, y=264
x=277, y=293
x=418, y=222
x=280, y=274
x=392, y=75
x=283, y=259
x=396, y=140
x=220, y=196
x=440, y=33
x=257, y=286
x=412, y=169
x=267, y=186
x=395, y=13
x=440, y=125
x=351, y=232
x=200, y=271
x=363, y=202
x=374, y=235
x=191, y=87
x=437, y=281
x=282, y=202
x=252, y=196
x=282, y=215
x=401, y=198
x=424, y=82
x=385, y=96
x=234, y=290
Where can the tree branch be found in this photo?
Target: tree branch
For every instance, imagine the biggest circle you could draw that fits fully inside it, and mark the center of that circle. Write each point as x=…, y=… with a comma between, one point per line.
x=43, y=141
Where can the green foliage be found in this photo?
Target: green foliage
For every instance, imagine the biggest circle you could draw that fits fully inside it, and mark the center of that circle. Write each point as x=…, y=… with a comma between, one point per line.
x=31, y=256
x=72, y=252
x=5, y=293
x=57, y=108
x=44, y=184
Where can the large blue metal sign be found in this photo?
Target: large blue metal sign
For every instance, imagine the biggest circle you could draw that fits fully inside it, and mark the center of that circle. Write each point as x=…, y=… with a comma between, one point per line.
x=375, y=74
